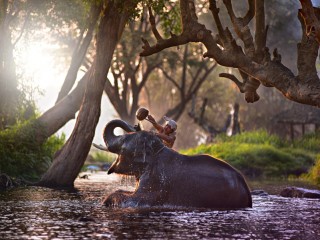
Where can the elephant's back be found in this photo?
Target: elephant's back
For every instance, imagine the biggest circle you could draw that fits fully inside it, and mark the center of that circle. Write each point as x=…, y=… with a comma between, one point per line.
x=213, y=183
x=206, y=159
x=210, y=164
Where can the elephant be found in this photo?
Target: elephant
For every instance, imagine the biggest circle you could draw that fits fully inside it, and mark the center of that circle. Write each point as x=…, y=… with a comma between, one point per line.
x=165, y=177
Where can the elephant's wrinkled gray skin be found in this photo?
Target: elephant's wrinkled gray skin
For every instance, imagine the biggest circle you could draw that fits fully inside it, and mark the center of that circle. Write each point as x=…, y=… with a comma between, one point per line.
x=165, y=177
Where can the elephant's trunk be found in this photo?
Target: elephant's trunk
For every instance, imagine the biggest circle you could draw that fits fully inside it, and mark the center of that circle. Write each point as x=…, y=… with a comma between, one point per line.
x=112, y=141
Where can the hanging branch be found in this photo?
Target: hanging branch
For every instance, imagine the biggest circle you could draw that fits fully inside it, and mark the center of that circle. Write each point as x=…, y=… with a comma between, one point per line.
x=249, y=86
x=234, y=79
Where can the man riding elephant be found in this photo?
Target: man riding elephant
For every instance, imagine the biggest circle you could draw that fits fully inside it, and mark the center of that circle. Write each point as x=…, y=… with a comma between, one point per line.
x=165, y=177
x=167, y=132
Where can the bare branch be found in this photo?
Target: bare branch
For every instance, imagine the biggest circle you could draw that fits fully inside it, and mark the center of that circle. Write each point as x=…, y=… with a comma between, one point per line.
x=22, y=29
x=261, y=30
x=171, y=42
x=304, y=88
x=215, y=13
x=146, y=74
x=311, y=21
x=250, y=90
x=153, y=26
x=234, y=79
x=307, y=54
x=197, y=84
x=80, y=52
x=192, y=31
x=170, y=78
x=250, y=14
x=241, y=29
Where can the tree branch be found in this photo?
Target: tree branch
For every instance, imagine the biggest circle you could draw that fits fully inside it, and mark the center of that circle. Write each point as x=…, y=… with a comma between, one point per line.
x=261, y=30
x=303, y=89
x=194, y=34
x=22, y=29
x=170, y=78
x=307, y=53
x=311, y=21
x=215, y=13
x=80, y=52
x=251, y=12
x=234, y=79
x=241, y=29
x=153, y=25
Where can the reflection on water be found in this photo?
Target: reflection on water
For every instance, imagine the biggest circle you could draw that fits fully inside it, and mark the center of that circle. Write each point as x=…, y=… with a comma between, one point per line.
x=40, y=213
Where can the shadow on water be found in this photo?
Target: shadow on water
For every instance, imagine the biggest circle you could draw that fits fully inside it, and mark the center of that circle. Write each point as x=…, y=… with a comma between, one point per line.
x=41, y=213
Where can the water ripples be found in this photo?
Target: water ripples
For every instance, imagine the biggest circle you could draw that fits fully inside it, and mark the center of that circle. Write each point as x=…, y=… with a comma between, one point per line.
x=40, y=213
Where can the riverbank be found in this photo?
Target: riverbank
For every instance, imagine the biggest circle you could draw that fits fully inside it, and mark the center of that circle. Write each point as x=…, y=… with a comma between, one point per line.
x=275, y=186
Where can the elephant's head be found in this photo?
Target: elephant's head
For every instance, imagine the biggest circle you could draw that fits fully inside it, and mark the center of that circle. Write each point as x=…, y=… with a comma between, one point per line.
x=136, y=150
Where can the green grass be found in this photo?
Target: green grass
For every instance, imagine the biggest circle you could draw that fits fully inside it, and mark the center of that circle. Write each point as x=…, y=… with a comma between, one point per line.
x=309, y=142
x=260, y=155
x=254, y=137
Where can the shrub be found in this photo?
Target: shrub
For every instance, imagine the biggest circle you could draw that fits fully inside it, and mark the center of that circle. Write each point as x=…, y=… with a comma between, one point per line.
x=309, y=142
x=103, y=157
x=21, y=156
x=314, y=173
x=254, y=137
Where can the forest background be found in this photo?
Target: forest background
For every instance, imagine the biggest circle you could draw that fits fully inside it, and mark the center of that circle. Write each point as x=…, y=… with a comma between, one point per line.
x=49, y=47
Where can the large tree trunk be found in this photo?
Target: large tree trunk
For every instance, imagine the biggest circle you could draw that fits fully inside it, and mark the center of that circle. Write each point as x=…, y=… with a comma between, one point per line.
x=71, y=157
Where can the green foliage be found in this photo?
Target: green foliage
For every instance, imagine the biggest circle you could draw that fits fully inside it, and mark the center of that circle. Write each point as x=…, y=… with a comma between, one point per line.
x=170, y=17
x=167, y=10
x=103, y=157
x=21, y=156
x=257, y=154
x=314, y=173
x=57, y=13
x=310, y=142
x=254, y=137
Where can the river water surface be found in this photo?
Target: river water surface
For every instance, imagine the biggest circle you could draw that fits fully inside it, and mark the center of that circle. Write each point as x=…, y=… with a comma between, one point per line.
x=41, y=213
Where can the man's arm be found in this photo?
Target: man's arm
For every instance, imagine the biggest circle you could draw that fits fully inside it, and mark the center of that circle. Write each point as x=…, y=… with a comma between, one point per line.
x=155, y=124
x=167, y=138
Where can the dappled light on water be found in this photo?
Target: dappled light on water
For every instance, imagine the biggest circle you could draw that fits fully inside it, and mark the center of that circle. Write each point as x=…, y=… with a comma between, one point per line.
x=46, y=213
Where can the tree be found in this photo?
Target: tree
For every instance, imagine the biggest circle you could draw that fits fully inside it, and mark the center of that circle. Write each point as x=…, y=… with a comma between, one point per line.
x=26, y=16
x=130, y=72
x=69, y=160
x=8, y=80
x=188, y=81
x=80, y=51
x=251, y=57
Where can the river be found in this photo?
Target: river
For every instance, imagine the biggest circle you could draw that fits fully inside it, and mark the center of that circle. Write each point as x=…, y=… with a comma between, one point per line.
x=42, y=213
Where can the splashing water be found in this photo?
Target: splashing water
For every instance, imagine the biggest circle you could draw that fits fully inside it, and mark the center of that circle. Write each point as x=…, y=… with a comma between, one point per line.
x=40, y=213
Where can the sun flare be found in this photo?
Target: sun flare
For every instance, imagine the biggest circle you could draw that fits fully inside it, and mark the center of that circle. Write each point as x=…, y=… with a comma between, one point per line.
x=37, y=63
